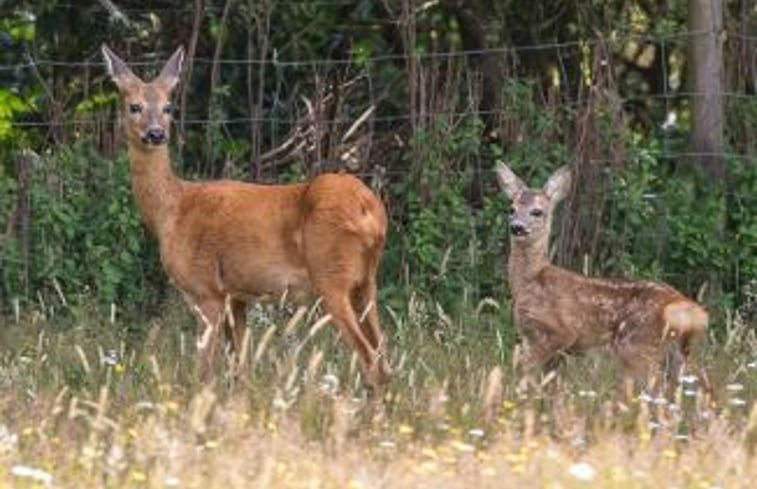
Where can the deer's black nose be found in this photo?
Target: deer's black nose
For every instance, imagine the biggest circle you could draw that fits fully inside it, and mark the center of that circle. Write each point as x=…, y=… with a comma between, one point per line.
x=155, y=135
x=518, y=229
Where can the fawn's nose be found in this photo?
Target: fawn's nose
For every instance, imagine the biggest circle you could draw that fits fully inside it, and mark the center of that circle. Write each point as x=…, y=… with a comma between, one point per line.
x=518, y=229
x=155, y=135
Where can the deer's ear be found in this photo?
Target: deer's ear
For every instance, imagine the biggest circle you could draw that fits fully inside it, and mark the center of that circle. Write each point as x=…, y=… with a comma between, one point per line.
x=558, y=185
x=169, y=75
x=121, y=75
x=508, y=181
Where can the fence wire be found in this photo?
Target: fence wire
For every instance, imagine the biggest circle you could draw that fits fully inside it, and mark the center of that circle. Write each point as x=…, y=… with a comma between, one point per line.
x=357, y=60
x=461, y=260
x=273, y=119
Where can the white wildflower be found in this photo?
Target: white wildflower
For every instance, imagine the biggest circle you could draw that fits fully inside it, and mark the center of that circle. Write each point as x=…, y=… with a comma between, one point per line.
x=582, y=471
x=387, y=444
x=671, y=121
x=329, y=384
x=172, y=481
x=33, y=473
x=112, y=357
x=8, y=439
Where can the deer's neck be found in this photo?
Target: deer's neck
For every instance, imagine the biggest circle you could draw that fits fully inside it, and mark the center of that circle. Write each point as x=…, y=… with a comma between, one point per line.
x=157, y=190
x=526, y=261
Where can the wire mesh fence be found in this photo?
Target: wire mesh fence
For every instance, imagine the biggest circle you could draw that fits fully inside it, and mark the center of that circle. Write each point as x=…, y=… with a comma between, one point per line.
x=585, y=101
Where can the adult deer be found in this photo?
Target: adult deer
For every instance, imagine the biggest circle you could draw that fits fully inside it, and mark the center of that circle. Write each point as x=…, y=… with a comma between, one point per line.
x=647, y=324
x=229, y=242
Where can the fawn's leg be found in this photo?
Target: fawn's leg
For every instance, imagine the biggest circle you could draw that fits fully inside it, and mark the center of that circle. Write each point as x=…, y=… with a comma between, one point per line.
x=544, y=348
x=644, y=362
x=545, y=342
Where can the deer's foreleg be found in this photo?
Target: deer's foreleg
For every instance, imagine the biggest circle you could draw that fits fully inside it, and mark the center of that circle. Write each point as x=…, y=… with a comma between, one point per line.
x=544, y=342
x=209, y=313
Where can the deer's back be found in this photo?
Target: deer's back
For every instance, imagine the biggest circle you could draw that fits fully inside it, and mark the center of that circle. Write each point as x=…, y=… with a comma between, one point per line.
x=246, y=239
x=344, y=203
x=597, y=308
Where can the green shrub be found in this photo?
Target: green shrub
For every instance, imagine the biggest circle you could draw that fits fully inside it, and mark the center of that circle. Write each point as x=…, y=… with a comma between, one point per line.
x=669, y=225
x=85, y=234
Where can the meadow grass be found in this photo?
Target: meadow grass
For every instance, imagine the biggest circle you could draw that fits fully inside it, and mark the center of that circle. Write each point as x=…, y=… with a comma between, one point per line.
x=84, y=403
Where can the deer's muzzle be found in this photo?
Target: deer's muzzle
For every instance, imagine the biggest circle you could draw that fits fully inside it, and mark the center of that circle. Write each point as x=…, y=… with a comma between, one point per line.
x=154, y=135
x=518, y=229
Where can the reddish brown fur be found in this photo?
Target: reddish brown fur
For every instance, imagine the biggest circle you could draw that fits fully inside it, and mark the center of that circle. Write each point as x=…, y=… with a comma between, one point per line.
x=232, y=241
x=557, y=310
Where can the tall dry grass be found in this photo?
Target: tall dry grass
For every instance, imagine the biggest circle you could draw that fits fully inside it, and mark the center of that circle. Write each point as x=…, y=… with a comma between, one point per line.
x=83, y=404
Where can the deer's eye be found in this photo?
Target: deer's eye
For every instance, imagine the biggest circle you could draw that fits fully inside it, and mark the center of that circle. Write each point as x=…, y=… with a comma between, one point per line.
x=135, y=108
x=168, y=109
x=537, y=212
x=512, y=210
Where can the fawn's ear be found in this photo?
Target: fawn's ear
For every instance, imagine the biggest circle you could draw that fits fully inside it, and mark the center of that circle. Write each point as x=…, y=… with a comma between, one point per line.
x=121, y=75
x=508, y=181
x=558, y=185
x=169, y=75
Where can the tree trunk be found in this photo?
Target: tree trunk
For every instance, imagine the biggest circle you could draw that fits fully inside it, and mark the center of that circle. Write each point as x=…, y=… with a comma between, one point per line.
x=706, y=67
x=705, y=19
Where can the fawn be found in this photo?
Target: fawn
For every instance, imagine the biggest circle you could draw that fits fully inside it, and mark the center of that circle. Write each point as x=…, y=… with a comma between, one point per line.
x=225, y=243
x=646, y=324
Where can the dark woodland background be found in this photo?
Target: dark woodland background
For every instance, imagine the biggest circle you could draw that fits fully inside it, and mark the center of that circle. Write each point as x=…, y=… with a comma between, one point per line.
x=652, y=102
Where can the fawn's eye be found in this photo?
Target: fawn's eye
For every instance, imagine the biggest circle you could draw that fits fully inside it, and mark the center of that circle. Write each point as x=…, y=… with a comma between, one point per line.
x=512, y=210
x=537, y=212
x=135, y=108
x=168, y=109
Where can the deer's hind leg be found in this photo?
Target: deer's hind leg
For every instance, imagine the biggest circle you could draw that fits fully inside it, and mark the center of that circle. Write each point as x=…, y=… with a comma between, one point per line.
x=683, y=350
x=365, y=305
x=652, y=360
x=337, y=271
x=364, y=297
x=338, y=305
